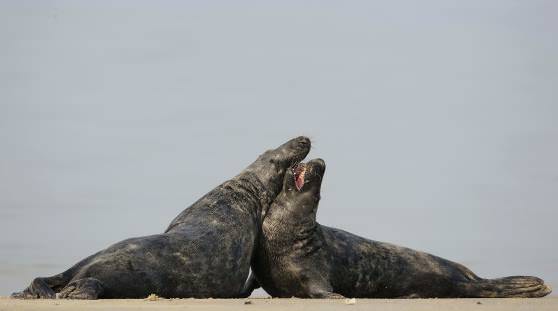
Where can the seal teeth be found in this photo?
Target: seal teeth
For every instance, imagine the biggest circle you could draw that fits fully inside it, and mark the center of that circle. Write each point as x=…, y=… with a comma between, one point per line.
x=299, y=171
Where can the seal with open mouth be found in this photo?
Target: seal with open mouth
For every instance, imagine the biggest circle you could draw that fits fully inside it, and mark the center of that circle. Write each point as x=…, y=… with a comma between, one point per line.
x=205, y=252
x=298, y=257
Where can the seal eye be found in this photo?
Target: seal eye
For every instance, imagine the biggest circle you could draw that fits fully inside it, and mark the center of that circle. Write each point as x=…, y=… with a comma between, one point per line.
x=299, y=171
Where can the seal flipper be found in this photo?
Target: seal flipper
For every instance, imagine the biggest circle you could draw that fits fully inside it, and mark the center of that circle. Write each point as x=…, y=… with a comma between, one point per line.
x=37, y=289
x=322, y=291
x=87, y=288
x=512, y=286
x=46, y=287
x=326, y=295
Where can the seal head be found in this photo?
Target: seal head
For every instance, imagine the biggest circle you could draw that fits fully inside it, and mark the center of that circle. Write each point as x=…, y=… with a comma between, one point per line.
x=271, y=166
x=301, y=189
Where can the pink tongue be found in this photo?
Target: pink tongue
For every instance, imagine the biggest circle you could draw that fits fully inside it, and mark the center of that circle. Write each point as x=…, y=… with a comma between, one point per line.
x=299, y=181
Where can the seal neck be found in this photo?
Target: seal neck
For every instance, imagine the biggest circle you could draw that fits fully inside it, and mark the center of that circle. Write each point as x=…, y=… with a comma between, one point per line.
x=281, y=239
x=255, y=190
x=269, y=174
x=245, y=188
x=280, y=226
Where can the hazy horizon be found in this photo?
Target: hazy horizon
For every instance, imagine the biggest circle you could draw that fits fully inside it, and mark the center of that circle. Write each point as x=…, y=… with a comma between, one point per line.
x=437, y=121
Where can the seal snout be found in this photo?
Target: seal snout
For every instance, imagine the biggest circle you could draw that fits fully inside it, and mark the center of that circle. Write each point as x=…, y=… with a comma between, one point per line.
x=303, y=141
x=298, y=148
x=318, y=164
x=302, y=144
x=309, y=172
x=316, y=167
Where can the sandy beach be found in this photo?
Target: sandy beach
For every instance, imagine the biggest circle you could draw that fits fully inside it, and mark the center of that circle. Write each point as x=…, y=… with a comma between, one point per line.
x=549, y=303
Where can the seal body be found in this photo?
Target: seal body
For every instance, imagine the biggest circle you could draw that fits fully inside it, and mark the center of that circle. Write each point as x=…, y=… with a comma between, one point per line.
x=205, y=252
x=299, y=257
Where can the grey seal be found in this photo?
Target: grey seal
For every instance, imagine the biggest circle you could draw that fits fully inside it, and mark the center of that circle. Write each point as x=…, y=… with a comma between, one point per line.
x=205, y=252
x=299, y=257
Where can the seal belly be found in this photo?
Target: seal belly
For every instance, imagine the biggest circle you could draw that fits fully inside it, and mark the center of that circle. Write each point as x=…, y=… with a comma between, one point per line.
x=172, y=265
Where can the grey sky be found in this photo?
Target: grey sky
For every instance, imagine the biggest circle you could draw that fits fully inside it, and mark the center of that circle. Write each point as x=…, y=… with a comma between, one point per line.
x=437, y=120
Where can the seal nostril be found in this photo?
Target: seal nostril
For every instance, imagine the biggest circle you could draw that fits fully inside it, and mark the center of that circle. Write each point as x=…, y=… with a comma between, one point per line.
x=303, y=141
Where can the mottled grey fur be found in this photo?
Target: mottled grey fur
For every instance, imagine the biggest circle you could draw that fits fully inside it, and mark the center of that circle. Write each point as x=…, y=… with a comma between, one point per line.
x=205, y=252
x=299, y=257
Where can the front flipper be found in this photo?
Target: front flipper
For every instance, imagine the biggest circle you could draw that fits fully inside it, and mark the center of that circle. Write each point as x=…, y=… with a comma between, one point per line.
x=326, y=295
x=37, y=290
x=322, y=290
x=87, y=288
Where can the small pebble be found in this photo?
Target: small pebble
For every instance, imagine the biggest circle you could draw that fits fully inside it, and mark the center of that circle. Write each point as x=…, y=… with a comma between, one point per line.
x=351, y=301
x=152, y=297
x=247, y=302
x=479, y=303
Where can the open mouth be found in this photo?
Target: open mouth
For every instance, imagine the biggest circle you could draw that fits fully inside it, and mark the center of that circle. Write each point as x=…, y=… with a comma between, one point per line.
x=298, y=171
